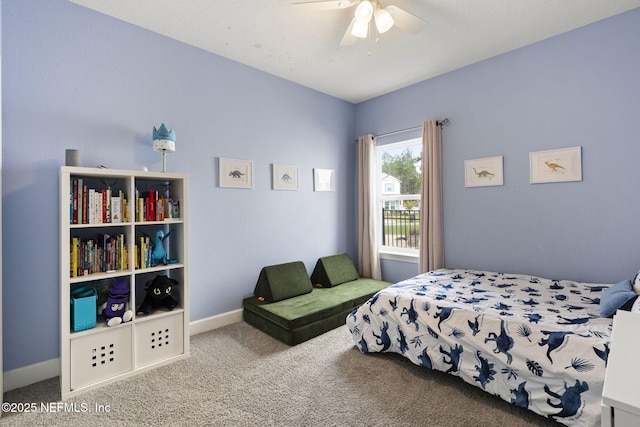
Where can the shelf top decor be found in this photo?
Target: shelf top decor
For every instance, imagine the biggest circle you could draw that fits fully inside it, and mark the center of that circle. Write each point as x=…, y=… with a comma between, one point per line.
x=164, y=141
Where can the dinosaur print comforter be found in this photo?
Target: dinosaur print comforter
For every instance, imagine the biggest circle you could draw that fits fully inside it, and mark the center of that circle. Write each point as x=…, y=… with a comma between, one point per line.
x=537, y=343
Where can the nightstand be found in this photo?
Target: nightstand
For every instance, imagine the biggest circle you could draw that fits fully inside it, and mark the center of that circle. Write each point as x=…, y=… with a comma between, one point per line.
x=620, y=397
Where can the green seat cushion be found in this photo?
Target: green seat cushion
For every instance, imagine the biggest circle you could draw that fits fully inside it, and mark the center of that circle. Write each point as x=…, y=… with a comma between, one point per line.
x=334, y=270
x=282, y=281
x=358, y=291
x=296, y=336
x=296, y=312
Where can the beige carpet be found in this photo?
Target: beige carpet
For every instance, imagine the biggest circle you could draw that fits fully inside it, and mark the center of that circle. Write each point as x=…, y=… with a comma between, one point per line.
x=238, y=376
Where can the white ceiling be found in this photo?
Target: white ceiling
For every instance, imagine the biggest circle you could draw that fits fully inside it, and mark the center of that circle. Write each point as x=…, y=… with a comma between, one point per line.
x=301, y=42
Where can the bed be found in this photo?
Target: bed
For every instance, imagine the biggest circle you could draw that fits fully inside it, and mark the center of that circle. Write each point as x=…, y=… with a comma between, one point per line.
x=540, y=344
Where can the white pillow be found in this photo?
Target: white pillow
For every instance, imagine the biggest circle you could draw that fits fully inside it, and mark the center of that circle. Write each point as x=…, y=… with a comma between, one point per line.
x=635, y=308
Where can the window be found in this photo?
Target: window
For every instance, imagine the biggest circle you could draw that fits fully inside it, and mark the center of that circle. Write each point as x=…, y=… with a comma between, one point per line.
x=399, y=187
x=389, y=187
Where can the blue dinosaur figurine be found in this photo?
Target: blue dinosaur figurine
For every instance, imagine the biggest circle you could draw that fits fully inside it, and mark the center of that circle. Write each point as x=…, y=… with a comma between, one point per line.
x=159, y=254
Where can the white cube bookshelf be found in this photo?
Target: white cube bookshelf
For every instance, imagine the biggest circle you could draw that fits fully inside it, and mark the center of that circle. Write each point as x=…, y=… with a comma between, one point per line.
x=100, y=355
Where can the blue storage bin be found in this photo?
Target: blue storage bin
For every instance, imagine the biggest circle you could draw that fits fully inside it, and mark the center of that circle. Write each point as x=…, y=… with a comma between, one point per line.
x=83, y=308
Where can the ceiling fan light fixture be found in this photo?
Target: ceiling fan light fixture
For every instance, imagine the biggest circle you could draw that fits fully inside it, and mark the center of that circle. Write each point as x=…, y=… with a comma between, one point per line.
x=364, y=11
x=383, y=19
x=360, y=29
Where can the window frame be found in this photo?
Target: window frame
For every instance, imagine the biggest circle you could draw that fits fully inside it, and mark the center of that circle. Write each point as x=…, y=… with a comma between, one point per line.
x=391, y=252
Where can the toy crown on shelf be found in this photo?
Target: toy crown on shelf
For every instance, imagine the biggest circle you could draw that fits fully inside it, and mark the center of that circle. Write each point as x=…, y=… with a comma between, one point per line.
x=165, y=142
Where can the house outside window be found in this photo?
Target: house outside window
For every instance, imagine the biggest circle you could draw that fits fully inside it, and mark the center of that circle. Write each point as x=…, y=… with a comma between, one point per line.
x=399, y=187
x=391, y=187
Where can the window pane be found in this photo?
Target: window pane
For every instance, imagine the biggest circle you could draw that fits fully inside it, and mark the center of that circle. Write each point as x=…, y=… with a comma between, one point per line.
x=400, y=168
x=400, y=180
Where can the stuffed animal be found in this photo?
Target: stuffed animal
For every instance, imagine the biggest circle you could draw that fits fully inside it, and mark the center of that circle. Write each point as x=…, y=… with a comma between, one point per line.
x=159, y=254
x=116, y=309
x=158, y=294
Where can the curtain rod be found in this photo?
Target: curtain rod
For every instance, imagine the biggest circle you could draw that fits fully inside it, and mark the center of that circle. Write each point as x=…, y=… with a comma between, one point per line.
x=442, y=122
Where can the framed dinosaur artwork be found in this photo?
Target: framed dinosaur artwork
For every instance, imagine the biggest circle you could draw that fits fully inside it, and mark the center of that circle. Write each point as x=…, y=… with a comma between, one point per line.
x=560, y=165
x=285, y=177
x=235, y=173
x=483, y=172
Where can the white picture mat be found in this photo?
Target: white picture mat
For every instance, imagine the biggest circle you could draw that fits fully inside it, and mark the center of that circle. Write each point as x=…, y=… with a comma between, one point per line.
x=484, y=172
x=285, y=177
x=235, y=173
x=559, y=165
x=324, y=180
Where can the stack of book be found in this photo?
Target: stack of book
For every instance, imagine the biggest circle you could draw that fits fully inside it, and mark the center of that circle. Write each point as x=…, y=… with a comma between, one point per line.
x=151, y=207
x=106, y=254
x=93, y=206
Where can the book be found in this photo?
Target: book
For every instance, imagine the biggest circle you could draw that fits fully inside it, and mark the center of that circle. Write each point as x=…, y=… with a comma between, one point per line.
x=144, y=251
x=80, y=187
x=74, y=256
x=175, y=209
x=97, y=207
x=74, y=217
x=150, y=205
x=85, y=204
x=116, y=209
x=106, y=205
x=160, y=210
x=91, y=215
x=141, y=215
x=71, y=201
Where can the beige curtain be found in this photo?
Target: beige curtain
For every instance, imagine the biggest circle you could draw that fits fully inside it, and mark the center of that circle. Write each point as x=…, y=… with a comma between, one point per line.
x=431, y=218
x=368, y=258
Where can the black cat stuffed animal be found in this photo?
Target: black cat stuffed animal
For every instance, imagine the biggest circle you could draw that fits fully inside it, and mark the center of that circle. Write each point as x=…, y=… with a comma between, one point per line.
x=158, y=294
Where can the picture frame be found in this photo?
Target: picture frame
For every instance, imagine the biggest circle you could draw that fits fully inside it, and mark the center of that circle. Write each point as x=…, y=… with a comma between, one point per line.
x=285, y=177
x=235, y=173
x=559, y=165
x=324, y=179
x=484, y=172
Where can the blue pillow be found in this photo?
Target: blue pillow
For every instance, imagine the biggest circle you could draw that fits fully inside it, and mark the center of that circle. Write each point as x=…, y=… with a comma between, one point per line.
x=620, y=296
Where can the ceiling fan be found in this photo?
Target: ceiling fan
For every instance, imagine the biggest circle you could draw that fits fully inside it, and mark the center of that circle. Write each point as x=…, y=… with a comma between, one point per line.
x=368, y=12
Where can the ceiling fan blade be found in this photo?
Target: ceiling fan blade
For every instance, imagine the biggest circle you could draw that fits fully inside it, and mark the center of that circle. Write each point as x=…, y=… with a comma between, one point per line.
x=405, y=20
x=327, y=4
x=348, y=39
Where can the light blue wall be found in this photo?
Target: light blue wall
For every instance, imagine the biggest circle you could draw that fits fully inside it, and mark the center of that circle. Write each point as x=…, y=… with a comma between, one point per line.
x=581, y=88
x=73, y=78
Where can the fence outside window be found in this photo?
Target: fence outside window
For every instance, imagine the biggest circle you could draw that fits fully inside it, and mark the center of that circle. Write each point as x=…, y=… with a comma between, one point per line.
x=401, y=228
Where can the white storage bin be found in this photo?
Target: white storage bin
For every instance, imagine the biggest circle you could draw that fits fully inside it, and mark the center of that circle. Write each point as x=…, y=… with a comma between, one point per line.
x=97, y=357
x=159, y=339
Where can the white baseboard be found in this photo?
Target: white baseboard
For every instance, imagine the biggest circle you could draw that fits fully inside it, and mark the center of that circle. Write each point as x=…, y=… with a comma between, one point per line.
x=215, y=322
x=21, y=377
x=27, y=375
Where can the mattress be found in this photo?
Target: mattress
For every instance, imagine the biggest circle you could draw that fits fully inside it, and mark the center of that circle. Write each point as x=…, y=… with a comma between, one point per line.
x=538, y=343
